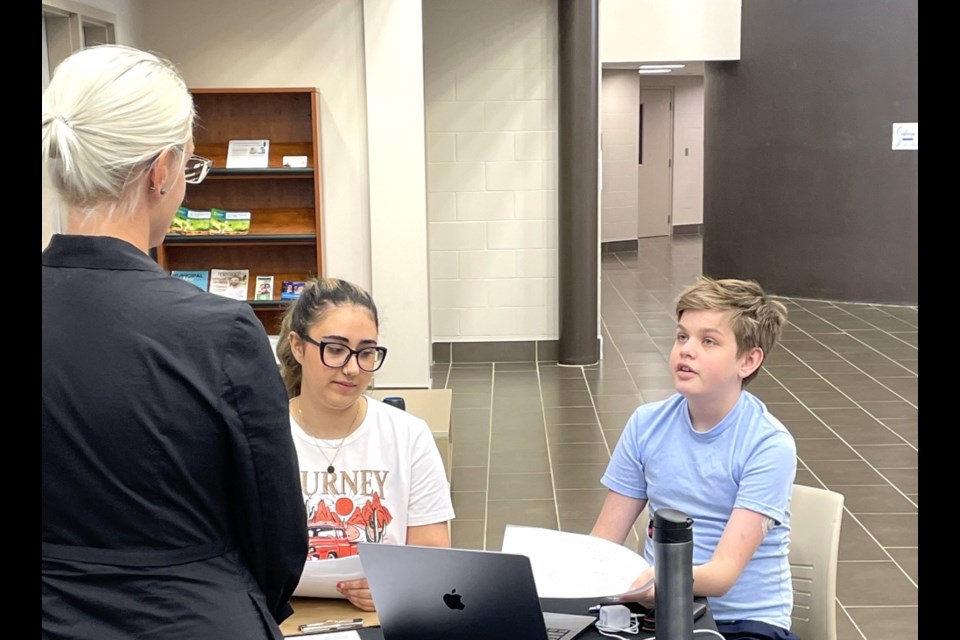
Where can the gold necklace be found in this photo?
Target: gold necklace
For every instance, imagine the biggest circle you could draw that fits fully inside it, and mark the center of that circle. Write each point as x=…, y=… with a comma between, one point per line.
x=320, y=447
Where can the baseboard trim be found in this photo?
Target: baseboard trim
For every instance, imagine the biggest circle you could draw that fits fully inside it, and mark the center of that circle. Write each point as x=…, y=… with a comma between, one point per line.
x=615, y=246
x=503, y=351
x=687, y=229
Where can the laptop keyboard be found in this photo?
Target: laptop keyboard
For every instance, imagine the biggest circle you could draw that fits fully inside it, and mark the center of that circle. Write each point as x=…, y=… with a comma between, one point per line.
x=557, y=634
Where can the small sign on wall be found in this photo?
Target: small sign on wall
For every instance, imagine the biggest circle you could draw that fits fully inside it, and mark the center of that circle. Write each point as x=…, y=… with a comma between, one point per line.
x=906, y=136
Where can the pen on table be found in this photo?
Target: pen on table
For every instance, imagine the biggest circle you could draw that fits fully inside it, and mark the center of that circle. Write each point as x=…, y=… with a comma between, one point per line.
x=331, y=625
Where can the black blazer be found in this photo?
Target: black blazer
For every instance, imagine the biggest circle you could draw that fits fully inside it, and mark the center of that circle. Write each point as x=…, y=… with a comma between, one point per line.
x=171, y=504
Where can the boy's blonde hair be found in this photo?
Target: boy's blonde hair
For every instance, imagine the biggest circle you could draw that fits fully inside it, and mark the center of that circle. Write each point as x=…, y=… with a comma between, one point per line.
x=756, y=320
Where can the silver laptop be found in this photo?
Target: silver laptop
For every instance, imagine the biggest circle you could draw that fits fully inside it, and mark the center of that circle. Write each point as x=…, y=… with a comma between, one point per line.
x=429, y=593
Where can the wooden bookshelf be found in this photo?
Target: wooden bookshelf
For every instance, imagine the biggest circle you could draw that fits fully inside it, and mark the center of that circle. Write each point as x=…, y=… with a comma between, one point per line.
x=285, y=238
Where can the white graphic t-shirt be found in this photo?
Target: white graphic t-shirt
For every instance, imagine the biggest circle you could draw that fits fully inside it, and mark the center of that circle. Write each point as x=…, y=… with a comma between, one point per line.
x=388, y=475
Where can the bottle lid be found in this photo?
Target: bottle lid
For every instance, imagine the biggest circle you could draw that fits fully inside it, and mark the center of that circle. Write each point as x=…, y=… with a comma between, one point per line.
x=671, y=525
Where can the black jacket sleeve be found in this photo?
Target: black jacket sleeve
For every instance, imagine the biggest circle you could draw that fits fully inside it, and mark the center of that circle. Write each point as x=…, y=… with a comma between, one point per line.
x=271, y=523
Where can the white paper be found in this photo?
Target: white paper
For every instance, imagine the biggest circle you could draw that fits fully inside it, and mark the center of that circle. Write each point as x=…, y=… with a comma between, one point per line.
x=320, y=577
x=906, y=136
x=248, y=154
x=328, y=635
x=573, y=565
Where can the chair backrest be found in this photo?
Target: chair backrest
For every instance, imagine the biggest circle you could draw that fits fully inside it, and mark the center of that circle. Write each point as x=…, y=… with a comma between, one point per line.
x=815, y=517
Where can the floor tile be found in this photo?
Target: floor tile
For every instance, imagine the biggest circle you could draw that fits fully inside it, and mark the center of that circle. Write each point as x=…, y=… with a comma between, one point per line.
x=893, y=530
x=890, y=455
x=909, y=561
x=582, y=453
x=468, y=479
x=845, y=472
x=869, y=583
x=887, y=623
x=578, y=476
x=518, y=461
x=533, y=513
x=569, y=415
x=470, y=456
x=521, y=486
x=907, y=480
x=470, y=505
x=824, y=449
x=570, y=433
x=856, y=543
x=470, y=400
x=875, y=499
x=467, y=534
x=846, y=629
x=580, y=503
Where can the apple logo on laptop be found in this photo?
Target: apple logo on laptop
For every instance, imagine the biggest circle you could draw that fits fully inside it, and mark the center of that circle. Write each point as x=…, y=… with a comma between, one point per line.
x=453, y=600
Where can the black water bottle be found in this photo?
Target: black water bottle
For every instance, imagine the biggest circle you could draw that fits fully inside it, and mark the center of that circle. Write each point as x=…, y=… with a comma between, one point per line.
x=673, y=569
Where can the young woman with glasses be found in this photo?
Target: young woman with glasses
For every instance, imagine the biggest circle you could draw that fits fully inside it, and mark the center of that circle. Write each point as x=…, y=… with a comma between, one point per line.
x=170, y=503
x=369, y=472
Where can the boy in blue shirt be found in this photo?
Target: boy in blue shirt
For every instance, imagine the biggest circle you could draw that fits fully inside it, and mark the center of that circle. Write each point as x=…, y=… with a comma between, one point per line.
x=714, y=452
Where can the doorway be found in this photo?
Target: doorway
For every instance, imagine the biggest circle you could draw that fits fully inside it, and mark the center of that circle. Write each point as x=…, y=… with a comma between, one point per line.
x=655, y=166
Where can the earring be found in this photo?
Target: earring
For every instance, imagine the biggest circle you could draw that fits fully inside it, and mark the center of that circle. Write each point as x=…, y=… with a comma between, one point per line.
x=163, y=191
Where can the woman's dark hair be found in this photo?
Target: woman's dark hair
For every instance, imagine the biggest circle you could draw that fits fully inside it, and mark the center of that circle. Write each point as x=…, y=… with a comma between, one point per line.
x=318, y=297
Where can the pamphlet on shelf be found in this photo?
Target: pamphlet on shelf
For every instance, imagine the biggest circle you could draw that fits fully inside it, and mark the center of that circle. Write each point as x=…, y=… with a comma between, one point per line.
x=264, y=288
x=574, y=565
x=295, y=162
x=198, y=278
x=190, y=222
x=230, y=283
x=291, y=289
x=248, y=154
x=229, y=223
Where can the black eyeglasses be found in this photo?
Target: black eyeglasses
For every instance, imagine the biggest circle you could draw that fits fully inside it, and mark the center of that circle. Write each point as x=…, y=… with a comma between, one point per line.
x=336, y=355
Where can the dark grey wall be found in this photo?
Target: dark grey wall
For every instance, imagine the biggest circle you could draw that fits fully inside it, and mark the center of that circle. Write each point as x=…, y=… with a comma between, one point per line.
x=801, y=188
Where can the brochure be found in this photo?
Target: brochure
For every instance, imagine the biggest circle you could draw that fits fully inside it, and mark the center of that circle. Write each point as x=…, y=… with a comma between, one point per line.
x=198, y=278
x=248, y=154
x=264, y=288
x=230, y=283
x=229, y=223
x=190, y=222
x=291, y=289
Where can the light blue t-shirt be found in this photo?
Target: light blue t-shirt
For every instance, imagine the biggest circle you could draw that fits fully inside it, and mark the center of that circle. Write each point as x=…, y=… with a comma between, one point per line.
x=748, y=460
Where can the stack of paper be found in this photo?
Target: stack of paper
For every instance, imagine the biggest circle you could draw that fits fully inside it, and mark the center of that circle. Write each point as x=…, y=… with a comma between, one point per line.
x=572, y=565
x=320, y=577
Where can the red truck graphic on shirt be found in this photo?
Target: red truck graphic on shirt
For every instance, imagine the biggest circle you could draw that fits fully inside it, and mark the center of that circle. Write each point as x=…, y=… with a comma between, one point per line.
x=328, y=541
x=334, y=533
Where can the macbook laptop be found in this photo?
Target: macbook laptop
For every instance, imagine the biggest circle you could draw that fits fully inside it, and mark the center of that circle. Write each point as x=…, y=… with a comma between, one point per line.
x=430, y=593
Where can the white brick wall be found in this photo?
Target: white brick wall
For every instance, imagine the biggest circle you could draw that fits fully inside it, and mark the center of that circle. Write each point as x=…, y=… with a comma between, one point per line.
x=619, y=122
x=491, y=121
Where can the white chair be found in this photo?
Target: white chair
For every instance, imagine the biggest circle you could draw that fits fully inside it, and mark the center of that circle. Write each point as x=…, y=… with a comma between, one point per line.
x=815, y=517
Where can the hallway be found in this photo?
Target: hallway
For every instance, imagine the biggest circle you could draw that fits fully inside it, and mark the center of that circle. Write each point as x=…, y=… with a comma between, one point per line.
x=531, y=439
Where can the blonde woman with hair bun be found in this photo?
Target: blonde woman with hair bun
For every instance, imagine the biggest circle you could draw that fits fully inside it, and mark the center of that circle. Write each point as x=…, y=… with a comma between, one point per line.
x=170, y=502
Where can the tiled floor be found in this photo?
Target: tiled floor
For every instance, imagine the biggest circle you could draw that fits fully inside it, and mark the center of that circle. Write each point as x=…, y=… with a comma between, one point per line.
x=531, y=440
